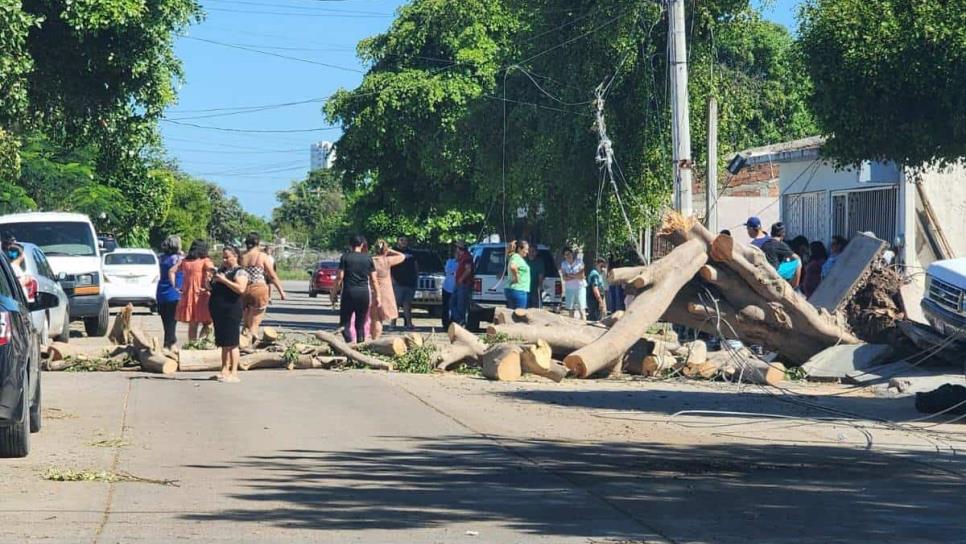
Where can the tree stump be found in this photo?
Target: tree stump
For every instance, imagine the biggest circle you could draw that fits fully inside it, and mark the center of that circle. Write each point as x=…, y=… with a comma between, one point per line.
x=120, y=331
x=502, y=362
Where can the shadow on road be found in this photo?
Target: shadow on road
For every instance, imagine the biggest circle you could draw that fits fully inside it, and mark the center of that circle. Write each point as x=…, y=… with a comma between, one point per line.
x=720, y=493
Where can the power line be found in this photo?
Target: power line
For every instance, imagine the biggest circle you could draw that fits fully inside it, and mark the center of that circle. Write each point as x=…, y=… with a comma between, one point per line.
x=254, y=108
x=304, y=8
x=250, y=131
x=270, y=54
x=298, y=14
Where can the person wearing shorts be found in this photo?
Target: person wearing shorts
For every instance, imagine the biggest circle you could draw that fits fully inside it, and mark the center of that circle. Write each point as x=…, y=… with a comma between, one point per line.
x=575, y=284
x=261, y=272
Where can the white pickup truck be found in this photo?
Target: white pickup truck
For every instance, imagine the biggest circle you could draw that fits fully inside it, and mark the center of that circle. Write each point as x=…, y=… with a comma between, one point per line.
x=945, y=300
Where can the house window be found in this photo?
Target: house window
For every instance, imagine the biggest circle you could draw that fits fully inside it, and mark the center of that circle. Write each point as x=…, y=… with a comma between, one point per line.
x=865, y=211
x=806, y=214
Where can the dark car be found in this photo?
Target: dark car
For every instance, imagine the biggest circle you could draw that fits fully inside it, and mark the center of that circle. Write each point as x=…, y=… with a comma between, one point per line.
x=323, y=277
x=19, y=364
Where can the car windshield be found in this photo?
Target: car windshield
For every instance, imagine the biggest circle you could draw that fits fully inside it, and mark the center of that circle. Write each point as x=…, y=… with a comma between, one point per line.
x=130, y=258
x=57, y=239
x=493, y=260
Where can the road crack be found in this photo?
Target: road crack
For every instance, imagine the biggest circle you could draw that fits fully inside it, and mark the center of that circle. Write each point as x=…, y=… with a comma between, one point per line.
x=109, y=503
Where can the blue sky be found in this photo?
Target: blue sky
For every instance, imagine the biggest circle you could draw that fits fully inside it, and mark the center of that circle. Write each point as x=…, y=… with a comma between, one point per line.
x=226, y=81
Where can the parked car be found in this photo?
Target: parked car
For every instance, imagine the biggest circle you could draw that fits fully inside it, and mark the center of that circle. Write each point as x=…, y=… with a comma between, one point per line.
x=490, y=268
x=36, y=276
x=107, y=242
x=323, y=277
x=19, y=363
x=944, y=303
x=131, y=277
x=71, y=246
x=429, y=289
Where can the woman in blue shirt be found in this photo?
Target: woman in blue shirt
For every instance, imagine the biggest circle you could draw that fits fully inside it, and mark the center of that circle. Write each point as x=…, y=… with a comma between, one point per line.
x=169, y=292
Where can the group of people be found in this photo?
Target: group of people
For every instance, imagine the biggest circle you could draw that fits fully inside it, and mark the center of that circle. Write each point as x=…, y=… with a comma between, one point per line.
x=802, y=263
x=526, y=272
x=232, y=298
x=374, y=288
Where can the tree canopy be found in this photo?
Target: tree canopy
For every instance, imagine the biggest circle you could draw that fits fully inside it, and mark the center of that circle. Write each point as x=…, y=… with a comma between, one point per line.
x=486, y=107
x=889, y=78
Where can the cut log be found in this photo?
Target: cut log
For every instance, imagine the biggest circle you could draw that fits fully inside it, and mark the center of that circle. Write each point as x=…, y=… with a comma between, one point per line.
x=413, y=340
x=652, y=365
x=58, y=351
x=464, y=346
x=330, y=362
x=270, y=336
x=754, y=370
x=245, y=341
x=155, y=362
x=390, y=346
x=262, y=359
x=622, y=275
x=340, y=345
x=120, y=331
x=661, y=347
x=206, y=360
x=303, y=362
x=501, y=362
x=557, y=371
x=671, y=274
x=705, y=371
x=563, y=340
x=141, y=341
x=537, y=356
x=694, y=353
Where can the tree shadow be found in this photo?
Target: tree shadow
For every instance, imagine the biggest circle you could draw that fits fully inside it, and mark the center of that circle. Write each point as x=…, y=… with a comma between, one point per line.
x=628, y=491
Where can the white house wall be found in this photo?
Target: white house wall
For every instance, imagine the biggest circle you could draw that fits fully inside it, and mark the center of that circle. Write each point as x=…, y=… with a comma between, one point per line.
x=946, y=190
x=733, y=211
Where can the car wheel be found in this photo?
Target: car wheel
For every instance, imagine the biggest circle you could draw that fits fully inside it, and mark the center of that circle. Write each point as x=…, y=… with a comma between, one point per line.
x=313, y=294
x=64, y=335
x=97, y=326
x=473, y=321
x=435, y=311
x=15, y=439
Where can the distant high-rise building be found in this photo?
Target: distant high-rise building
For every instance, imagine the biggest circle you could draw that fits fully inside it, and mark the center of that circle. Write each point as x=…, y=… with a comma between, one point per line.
x=322, y=156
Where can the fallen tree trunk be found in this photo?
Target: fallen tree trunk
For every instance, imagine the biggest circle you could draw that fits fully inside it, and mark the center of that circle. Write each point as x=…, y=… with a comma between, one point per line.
x=262, y=359
x=671, y=274
x=557, y=371
x=206, y=360
x=340, y=345
x=563, y=340
x=463, y=346
x=58, y=351
x=501, y=362
x=120, y=331
x=390, y=346
x=155, y=362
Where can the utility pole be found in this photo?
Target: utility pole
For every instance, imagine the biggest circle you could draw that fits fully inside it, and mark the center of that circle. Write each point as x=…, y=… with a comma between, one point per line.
x=711, y=187
x=681, y=127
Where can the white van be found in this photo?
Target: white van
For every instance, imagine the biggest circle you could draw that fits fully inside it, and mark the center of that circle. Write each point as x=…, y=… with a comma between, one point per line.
x=70, y=243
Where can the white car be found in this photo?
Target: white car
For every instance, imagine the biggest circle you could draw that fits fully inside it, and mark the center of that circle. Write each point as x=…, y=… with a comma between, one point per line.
x=70, y=244
x=131, y=277
x=489, y=281
x=945, y=302
x=36, y=276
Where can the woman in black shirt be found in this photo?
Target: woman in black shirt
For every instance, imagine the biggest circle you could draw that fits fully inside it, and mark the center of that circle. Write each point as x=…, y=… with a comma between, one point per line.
x=357, y=273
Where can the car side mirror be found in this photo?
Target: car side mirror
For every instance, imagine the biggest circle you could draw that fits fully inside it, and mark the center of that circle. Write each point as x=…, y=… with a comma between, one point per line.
x=44, y=301
x=309, y=271
x=61, y=276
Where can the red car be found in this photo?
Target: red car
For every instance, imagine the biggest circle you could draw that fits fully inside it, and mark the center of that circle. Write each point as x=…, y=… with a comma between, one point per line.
x=323, y=278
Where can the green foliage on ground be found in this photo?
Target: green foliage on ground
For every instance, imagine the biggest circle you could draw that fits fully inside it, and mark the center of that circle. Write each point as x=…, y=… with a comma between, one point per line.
x=888, y=78
x=424, y=131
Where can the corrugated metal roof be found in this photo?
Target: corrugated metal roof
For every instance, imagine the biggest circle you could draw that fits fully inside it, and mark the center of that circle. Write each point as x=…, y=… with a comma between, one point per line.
x=794, y=151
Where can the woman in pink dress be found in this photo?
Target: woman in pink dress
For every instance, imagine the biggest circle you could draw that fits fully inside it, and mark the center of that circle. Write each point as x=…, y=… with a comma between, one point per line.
x=193, y=306
x=384, y=259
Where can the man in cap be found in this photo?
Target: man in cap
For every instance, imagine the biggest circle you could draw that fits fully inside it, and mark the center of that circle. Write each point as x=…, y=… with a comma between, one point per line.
x=755, y=232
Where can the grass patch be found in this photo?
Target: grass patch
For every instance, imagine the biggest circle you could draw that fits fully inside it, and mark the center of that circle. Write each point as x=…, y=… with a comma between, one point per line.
x=110, y=443
x=200, y=344
x=292, y=274
x=87, y=475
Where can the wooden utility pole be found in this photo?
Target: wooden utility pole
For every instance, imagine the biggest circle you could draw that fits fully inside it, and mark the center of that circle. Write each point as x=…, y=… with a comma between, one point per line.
x=681, y=127
x=711, y=187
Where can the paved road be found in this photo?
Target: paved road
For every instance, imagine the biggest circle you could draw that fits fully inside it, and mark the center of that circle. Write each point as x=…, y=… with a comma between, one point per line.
x=358, y=456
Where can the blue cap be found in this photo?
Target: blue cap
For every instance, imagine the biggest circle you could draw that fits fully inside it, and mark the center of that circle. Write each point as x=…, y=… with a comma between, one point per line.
x=753, y=223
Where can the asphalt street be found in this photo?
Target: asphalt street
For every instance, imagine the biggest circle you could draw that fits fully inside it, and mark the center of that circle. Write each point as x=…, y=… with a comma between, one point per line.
x=361, y=456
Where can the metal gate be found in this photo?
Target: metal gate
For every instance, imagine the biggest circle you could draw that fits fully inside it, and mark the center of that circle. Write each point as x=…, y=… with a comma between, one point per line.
x=806, y=214
x=865, y=211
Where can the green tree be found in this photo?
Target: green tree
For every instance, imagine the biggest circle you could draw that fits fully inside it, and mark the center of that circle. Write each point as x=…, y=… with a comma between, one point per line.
x=312, y=210
x=428, y=131
x=190, y=212
x=888, y=77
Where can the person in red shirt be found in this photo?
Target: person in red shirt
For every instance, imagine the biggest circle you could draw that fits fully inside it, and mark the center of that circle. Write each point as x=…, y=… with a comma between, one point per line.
x=464, y=285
